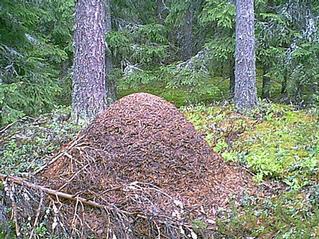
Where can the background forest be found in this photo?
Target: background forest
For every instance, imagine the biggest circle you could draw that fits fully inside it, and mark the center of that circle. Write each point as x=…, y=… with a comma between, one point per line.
x=183, y=51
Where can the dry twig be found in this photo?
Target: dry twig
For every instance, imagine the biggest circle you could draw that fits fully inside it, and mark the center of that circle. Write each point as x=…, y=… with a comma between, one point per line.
x=22, y=182
x=37, y=215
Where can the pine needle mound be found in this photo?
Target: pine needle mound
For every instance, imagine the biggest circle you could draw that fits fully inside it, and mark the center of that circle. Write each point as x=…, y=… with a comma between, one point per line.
x=153, y=172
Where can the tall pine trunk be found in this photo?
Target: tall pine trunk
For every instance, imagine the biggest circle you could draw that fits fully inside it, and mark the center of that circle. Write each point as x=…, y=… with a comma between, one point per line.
x=89, y=73
x=245, y=64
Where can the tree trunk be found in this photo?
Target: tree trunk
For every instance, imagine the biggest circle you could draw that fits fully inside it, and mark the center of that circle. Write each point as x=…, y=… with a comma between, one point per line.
x=89, y=91
x=187, y=34
x=110, y=83
x=265, y=94
x=245, y=63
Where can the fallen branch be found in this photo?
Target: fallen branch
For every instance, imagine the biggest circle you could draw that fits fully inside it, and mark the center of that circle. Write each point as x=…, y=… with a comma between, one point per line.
x=37, y=216
x=23, y=182
x=79, y=200
x=2, y=130
x=58, y=194
x=59, y=155
x=14, y=216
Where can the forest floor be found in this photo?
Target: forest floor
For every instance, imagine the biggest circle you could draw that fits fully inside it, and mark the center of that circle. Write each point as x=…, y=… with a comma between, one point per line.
x=277, y=144
x=280, y=147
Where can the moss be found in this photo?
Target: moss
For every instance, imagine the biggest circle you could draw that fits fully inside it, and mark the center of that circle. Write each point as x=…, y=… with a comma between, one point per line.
x=289, y=215
x=274, y=142
x=28, y=143
x=274, y=147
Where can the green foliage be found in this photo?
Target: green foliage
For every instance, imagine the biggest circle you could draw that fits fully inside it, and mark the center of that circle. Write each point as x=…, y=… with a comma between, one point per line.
x=286, y=35
x=220, y=12
x=276, y=142
x=289, y=215
x=151, y=33
x=36, y=50
x=220, y=16
x=31, y=90
x=119, y=43
x=199, y=226
x=221, y=48
x=137, y=79
x=177, y=11
x=29, y=142
x=133, y=11
x=144, y=44
x=7, y=231
x=180, y=93
x=290, y=137
x=146, y=54
x=33, y=43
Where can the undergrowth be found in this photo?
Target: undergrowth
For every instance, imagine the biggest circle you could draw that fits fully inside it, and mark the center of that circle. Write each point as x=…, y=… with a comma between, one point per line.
x=276, y=141
x=178, y=95
x=288, y=215
x=28, y=143
x=280, y=146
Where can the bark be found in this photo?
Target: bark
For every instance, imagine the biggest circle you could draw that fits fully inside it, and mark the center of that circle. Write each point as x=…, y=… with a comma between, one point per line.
x=108, y=17
x=110, y=83
x=187, y=34
x=89, y=74
x=245, y=64
x=266, y=84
